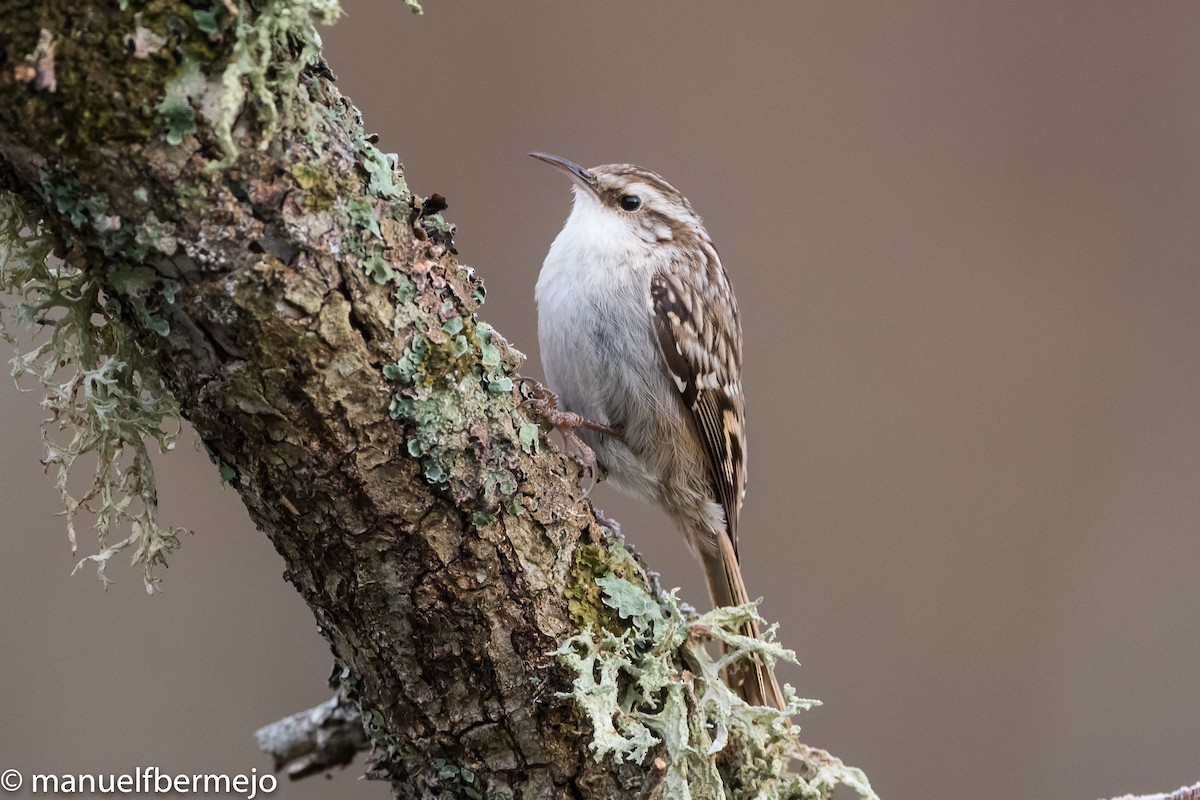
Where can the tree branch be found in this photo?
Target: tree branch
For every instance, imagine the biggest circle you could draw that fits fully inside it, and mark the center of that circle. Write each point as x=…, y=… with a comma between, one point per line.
x=315, y=740
x=1183, y=793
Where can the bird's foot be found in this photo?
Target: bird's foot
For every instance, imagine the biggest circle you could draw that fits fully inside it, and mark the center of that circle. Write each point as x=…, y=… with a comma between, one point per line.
x=545, y=403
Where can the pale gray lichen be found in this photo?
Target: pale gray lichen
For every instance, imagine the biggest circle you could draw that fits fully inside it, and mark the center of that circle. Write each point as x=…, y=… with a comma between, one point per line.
x=654, y=688
x=105, y=401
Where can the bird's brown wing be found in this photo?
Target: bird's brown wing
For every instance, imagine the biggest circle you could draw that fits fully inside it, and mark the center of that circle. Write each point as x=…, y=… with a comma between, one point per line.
x=696, y=320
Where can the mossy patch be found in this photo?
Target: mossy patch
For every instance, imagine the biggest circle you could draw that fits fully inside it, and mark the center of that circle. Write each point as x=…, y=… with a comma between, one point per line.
x=319, y=184
x=584, y=592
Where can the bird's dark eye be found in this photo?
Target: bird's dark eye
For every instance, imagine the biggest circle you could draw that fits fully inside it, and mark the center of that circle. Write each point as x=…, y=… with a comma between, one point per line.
x=631, y=202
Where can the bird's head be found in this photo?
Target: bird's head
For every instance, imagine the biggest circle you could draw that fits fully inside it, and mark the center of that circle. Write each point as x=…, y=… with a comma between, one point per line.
x=627, y=205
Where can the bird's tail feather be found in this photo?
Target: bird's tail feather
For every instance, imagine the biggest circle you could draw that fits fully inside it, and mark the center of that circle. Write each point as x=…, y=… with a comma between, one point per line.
x=751, y=678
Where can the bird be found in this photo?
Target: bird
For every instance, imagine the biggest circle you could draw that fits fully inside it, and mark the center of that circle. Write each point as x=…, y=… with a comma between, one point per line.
x=641, y=346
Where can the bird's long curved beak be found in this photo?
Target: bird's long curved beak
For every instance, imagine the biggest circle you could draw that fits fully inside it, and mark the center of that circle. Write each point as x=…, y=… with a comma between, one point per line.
x=582, y=176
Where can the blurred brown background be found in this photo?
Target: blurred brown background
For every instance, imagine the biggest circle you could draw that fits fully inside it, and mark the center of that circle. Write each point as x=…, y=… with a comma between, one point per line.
x=965, y=239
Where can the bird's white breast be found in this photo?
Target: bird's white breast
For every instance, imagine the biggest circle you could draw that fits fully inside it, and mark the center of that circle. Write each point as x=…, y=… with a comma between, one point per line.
x=595, y=334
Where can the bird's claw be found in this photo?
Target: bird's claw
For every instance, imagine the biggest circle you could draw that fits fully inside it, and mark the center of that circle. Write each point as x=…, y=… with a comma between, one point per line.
x=545, y=403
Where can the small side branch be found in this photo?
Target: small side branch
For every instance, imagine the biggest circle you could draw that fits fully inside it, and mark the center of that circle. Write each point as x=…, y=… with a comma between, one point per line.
x=315, y=740
x=1183, y=793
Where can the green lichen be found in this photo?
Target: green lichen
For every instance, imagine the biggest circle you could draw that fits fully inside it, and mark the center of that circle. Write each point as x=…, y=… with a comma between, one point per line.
x=175, y=112
x=489, y=353
x=226, y=472
x=449, y=781
x=446, y=397
x=437, y=226
x=530, y=437
x=500, y=385
x=128, y=247
x=106, y=402
x=383, y=172
x=140, y=285
x=206, y=21
x=498, y=382
x=378, y=268
x=362, y=214
x=64, y=196
x=405, y=291
x=406, y=370
x=651, y=687
x=364, y=218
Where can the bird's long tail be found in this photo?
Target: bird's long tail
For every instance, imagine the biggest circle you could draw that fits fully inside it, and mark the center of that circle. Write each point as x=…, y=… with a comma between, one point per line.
x=751, y=678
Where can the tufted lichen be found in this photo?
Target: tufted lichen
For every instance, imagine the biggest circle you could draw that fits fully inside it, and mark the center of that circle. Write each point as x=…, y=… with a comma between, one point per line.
x=651, y=688
x=254, y=71
x=105, y=401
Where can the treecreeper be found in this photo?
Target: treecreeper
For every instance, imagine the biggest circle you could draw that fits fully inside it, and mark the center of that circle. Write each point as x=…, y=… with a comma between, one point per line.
x=641, y=343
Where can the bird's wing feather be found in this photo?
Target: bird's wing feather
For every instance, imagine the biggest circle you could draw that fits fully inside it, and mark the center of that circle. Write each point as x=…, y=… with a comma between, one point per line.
x=696, y=321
